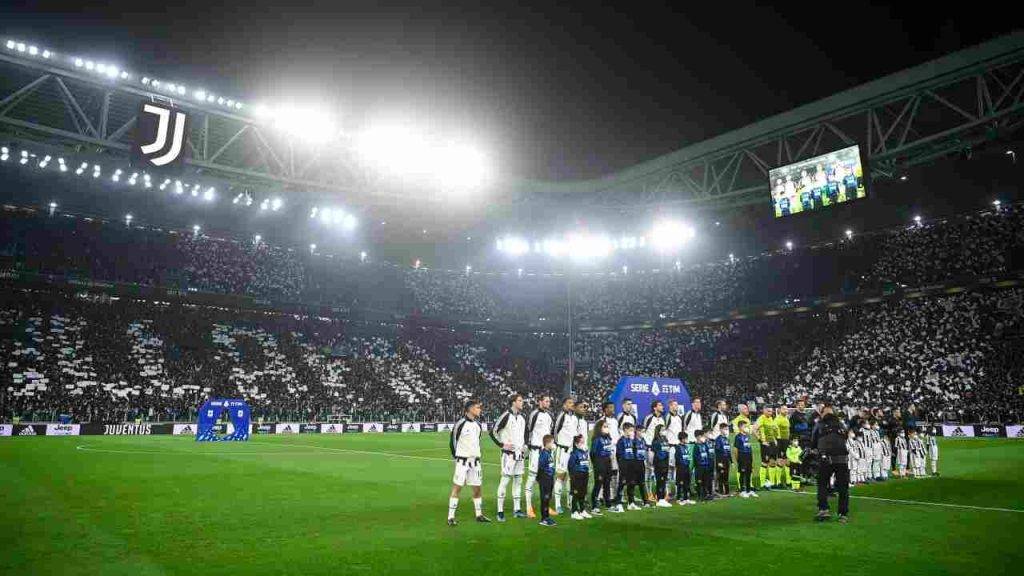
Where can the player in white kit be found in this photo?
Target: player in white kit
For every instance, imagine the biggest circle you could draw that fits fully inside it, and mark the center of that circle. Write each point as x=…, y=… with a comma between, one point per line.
x=538, y=425
x=509, y=433
x=932, y=444
x=465, y=447
x=673, y=426
x=566, y=428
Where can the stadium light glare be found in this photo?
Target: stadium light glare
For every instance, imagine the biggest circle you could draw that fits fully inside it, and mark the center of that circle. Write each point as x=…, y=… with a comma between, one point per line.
x=519, y=272
x=128, y=219
x=671, y=235
x=21, y=46
x=275, y=204
x=416, y=264
x=625, y=269
x=199, y=95
x=997, y=203
x=312, y=248
x=903, y=178
x=265, y=204
x=53, y=205
x=362, y=256
x=468, y=269
x=917, y=219
x=789, y=244
x=11, y=44
x=145, y=79
x=33, y=50
x=195, y=229
x=513, y=245
x=210, y=194
x=257, y=238
x=849, y=233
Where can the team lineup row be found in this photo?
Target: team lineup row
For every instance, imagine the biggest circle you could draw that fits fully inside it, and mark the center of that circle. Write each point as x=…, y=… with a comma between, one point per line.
x=669, y=448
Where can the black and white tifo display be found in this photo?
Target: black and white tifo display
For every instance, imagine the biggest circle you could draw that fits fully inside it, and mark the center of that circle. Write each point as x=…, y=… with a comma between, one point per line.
x=818, y=182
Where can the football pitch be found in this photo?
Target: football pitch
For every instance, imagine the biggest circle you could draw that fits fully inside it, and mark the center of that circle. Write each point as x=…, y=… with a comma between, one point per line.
x=376, y=504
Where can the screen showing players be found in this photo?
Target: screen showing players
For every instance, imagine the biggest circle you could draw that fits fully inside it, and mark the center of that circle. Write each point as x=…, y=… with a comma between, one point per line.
x=818, y=182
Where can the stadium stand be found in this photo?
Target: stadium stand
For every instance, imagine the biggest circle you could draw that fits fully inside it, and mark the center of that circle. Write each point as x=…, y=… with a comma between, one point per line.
x=102, y=357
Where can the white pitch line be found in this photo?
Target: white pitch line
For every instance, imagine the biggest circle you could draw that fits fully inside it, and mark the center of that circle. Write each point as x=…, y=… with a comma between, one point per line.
x=923, y=503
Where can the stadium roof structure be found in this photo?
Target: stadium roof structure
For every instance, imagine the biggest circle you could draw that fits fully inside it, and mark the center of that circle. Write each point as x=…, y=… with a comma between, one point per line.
x=911, y=117
x=52, y=102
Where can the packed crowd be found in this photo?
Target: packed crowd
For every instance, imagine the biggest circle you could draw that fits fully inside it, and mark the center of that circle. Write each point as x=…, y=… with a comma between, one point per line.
x=102, y=358
x=983, y=243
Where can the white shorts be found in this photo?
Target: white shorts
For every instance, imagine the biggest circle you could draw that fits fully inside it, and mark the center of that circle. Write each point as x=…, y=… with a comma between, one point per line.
x=672, y=455
x=534, y=461
x=468, y=472
x=561, y=460
x=512, y=464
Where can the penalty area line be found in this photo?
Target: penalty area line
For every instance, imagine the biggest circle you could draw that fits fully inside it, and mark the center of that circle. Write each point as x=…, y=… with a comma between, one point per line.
x=922, y=503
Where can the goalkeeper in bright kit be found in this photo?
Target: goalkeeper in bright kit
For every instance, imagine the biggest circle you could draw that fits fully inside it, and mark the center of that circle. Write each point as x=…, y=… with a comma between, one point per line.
x=767, y=432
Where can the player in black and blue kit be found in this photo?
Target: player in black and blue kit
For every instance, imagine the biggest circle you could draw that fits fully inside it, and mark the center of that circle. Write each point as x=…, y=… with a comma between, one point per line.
x=684, y=470
x=579, y=476
x=641, y=448
x=546, y=478
x=660, y=448
x=601, y=455
x=704, y=464
x=744, y=452
x=723, y=457
x=627, y=458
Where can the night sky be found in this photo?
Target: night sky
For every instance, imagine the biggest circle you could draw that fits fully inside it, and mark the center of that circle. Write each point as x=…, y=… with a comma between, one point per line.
x=554, y=92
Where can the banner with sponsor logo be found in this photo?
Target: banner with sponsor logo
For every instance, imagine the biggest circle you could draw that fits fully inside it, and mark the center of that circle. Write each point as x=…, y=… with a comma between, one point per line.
x=6, y=429
x=332, y=428
x=309, y=429
x=988, y=431
x=1015, y=431
x=265, y=428
x=445, y=426
x=29, y=430
x=184, y=430
x=392, y=427
x=644, y=390
x=373, y=427
x=958, y=431
x=124, y=429
x=428, y=427
x=410, y=427
x=353, y=427
x=287, y=428
x=62, y=429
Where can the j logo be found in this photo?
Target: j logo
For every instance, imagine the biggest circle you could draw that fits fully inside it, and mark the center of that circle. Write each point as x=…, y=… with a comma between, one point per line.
x=160, y=134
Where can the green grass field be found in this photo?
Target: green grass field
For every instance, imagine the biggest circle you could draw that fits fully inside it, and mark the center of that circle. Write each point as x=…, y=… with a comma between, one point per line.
x=376, y=504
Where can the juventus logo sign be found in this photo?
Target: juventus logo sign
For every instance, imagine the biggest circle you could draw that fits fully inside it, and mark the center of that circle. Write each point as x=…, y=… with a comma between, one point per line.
x=160, y=135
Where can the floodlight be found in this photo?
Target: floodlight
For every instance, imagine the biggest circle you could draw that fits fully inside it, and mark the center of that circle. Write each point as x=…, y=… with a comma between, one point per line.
x=275, y=204
x=789, y=245
x=670, y=235
x=33, y=50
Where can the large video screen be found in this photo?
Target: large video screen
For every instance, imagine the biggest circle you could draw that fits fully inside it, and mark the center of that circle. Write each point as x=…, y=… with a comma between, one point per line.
x=818, y=182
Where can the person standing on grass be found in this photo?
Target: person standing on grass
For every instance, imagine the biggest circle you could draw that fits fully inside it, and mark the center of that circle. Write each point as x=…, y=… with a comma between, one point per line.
x=465, y=447
x=743, y=453
x=566, y=427
x=579, y=476
x=723, y=458
x=602, y=449
x=509, y=434
x=538, y=426
x=546, y=477
x=608, y=420
x=829, y=439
